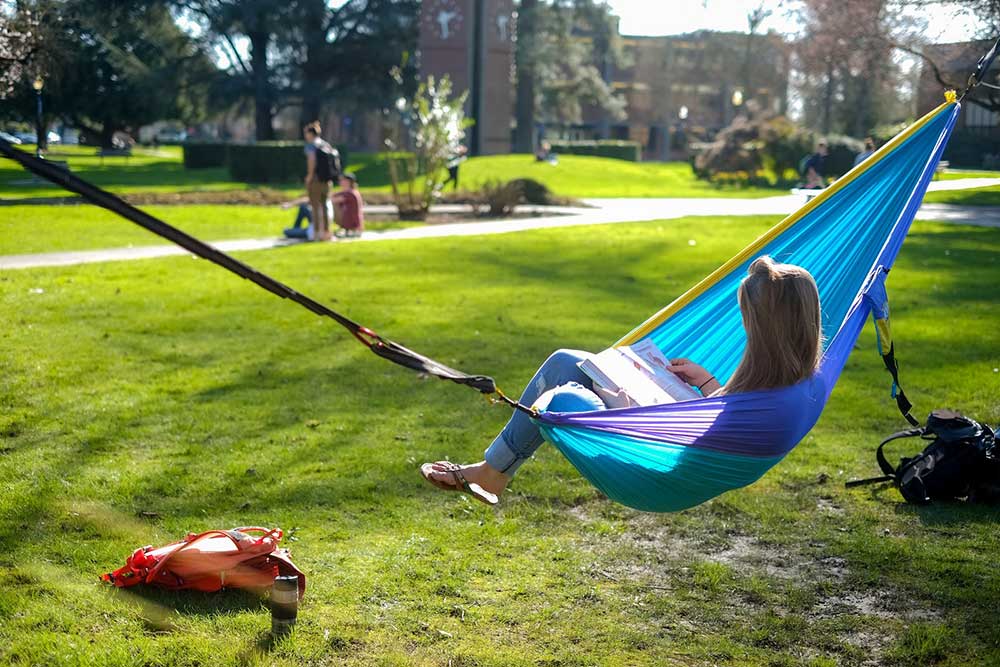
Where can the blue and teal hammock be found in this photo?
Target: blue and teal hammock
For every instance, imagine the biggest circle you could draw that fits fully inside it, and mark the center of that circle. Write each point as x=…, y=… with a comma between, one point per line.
x=670, y=457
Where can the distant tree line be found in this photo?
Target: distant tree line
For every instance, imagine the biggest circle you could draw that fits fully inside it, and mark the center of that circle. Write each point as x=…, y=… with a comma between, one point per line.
x=112, y=65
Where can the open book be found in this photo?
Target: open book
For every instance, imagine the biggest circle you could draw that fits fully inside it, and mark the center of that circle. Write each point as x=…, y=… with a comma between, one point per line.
x=641, y=370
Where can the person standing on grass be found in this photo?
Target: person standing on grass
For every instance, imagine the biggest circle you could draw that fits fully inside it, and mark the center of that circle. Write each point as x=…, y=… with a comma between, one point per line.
x=322, y=167
x=350, y=207
x=453, y=165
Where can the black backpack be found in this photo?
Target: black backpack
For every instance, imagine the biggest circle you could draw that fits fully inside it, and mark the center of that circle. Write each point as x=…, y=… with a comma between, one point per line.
x=327, y=163
x=961, y=461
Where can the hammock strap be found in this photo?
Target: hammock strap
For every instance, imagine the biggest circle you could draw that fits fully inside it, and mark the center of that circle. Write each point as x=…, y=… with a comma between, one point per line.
x=892, y=366
x=382, y=347
x=976, y=78
x=878, y=301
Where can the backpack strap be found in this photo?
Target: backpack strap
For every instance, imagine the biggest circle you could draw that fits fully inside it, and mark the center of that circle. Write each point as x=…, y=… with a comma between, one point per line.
x=151, y=577
x=883, y=463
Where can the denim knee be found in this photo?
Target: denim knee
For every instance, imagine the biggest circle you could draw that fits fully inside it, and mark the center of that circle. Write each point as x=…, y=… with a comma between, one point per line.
x=571, y=397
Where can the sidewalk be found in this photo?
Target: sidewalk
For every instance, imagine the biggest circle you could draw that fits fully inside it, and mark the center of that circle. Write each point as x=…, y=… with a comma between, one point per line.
x=602, y=212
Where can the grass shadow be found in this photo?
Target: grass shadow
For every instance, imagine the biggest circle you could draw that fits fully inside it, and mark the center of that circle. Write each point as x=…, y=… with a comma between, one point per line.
x=193, y=603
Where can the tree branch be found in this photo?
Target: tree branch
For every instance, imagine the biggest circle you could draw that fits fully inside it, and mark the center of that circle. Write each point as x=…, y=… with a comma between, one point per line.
x=236, y=53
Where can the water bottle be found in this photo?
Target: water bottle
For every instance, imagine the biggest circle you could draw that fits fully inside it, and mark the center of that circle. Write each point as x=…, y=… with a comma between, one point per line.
x=284, y=604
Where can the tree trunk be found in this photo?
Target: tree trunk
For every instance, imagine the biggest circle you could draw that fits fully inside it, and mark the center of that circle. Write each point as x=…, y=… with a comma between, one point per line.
x=263, y=115
x=524, y=135
x=107, y=134
x=828, y=99
x=313, y=81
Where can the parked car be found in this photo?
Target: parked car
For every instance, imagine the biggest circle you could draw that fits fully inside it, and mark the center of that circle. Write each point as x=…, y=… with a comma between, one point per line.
x=171, y=136
x=31, y=137
x=9, y=138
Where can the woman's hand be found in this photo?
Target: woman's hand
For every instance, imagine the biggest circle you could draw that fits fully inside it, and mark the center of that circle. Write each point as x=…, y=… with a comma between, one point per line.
x=694, y=375
x=613, y=400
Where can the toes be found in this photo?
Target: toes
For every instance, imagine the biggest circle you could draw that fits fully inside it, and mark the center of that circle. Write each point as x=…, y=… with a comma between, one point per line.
x=438, y=475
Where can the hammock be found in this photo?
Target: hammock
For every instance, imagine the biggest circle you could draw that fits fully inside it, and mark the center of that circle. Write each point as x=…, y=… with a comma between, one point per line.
x=670, y=457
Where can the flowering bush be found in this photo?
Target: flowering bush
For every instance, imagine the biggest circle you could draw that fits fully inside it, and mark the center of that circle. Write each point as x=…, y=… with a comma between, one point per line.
x=434, y=124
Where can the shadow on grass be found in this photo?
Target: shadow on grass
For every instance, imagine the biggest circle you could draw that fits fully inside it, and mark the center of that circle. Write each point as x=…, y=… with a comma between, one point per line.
x=948, y=513
x=938, y=513
x=166, y=603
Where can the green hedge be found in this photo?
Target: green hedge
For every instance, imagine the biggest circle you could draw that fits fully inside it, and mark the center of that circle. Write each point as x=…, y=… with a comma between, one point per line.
x=969, y=149
x=843, y=150
x=619, y=150
x=201, y=155
x=271, y=161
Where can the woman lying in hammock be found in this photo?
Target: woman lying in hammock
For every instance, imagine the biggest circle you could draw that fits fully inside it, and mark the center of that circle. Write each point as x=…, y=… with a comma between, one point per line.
x=781, y=315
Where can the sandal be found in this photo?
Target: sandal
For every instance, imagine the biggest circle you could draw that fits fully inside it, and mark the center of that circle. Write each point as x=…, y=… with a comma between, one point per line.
x=459, y=483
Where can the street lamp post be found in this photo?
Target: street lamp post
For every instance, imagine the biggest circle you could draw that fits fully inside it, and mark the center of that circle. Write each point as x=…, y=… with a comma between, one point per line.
x=38, y=84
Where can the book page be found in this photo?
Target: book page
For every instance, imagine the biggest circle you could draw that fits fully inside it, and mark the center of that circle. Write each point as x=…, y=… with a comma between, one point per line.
x=614, y=371
x=656, y=365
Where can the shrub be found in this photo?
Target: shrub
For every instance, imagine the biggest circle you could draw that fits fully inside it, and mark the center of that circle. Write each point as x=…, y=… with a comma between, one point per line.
x=735, y=150
x=202, y=155
x=843, y=150
x=619, y=150
x=752, y=146
x=884, y=133
x=783, y=144
x=533, y=192
x=271, y=161
x=435, y=123
x=499, y=199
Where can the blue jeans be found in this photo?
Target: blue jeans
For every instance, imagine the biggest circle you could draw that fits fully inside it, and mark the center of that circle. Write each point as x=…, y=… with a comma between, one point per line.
x=304, y=215
x=520, y=438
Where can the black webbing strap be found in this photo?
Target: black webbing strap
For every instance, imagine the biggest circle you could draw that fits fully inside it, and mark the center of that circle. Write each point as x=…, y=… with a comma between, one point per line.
x=883, y=463
x=383, y=347
x=903, y=403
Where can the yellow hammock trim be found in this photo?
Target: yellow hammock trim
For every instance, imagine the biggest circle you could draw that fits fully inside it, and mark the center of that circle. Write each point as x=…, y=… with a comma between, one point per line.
x=680, y=302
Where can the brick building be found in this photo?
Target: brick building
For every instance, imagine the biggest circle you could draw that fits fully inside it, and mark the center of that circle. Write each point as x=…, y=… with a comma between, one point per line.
x=472, y=41
x=690, y=86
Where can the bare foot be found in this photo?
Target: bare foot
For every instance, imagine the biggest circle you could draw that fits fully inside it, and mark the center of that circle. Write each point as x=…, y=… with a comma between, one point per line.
x=481, y=473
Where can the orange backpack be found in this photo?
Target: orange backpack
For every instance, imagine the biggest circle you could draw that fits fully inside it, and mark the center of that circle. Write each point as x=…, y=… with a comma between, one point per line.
x=211, y=561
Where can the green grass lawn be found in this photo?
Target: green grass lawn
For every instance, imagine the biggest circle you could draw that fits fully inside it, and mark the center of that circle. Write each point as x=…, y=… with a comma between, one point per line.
x=581, y=176
x=146, y=399
x=161, y=170
x=37, y=229
x=955, y=174
x=989, y=196
x=147, y=170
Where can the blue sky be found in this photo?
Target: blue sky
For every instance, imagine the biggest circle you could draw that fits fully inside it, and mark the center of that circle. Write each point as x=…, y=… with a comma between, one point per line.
x=945, y=23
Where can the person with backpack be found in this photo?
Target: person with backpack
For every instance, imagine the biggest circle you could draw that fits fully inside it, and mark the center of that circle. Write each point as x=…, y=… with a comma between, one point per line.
x=322, y=167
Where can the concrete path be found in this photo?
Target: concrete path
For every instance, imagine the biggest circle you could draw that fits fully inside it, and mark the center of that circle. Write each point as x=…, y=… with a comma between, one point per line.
x=601, y=211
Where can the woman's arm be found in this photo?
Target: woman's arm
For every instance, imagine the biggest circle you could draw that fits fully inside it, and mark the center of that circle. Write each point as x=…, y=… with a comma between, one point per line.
x=695, y=375
x=310, y=167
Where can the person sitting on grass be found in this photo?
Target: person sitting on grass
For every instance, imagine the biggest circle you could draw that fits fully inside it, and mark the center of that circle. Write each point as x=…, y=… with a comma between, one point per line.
x=350, y=215
x=298, y=230
x=781, y=315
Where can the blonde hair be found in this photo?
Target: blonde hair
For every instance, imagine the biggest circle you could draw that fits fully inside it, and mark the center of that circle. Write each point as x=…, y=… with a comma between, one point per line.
x=781, y=315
